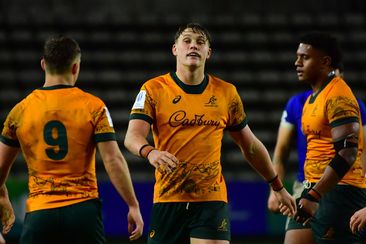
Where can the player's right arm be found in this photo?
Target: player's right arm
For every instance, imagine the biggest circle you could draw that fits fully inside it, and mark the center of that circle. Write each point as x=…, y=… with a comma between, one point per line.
x=7, y=158
x=280, y=156
x=117, y=170
x=136, y=142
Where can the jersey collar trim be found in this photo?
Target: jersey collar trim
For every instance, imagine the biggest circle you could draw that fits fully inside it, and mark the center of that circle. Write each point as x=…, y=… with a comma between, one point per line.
x=55, y=87
x=314, y=96
x=190, y=89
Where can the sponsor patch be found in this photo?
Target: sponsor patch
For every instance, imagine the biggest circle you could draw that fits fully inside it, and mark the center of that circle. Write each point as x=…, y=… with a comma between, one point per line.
x=140, y=100
x=108, y=117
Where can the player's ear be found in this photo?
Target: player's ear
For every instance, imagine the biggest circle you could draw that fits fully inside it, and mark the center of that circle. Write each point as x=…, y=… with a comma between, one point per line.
x=43, y=64
x=209, y=52
x=75, y=68
x=327, y=60
x=174, y=49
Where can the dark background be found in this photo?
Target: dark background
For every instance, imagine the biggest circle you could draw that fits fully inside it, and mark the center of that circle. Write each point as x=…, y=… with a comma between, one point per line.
x=124, y=43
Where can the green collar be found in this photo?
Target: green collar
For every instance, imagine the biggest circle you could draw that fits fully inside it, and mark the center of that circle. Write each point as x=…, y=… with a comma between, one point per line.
x=315, y=95
x=55, y=87
x=191, y=89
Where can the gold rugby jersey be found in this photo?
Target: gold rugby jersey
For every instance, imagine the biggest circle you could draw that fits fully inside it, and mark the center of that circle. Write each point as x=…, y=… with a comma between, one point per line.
x=189, y=122
x=332, y=106
x=57, y=129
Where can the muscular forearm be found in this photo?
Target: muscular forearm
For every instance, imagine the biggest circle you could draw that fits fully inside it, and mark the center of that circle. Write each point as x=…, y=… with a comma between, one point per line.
x=119, y=174
x=279, y=168
x=3, y=191
x=259, y=159
x=327, y=181
x=280, y=156
x=136, y=136
x=134, y=143
x=336, y=169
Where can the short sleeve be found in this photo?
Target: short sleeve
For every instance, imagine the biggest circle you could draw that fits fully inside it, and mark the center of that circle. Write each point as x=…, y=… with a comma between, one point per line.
x=9, y=132
x=237, y=116
x=104, y=130
x=144, y=106
x=342, y=109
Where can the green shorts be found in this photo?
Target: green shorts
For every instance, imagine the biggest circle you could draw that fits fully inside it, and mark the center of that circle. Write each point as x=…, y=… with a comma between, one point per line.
x=331, y=222
x=76, y=223
x=176, y=222
x=291, y=224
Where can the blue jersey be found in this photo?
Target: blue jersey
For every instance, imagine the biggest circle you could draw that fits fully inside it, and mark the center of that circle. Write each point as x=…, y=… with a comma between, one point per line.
x=292, y=115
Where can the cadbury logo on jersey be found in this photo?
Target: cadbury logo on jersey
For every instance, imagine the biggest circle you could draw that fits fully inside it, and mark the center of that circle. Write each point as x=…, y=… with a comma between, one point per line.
x=177, y=99
x=179, y=118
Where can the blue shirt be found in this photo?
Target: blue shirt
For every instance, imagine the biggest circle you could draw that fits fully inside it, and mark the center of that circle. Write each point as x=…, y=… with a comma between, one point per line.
x=292, y=115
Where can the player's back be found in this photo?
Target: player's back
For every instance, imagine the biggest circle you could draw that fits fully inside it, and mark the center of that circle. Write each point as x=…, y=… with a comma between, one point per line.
x=56, y=128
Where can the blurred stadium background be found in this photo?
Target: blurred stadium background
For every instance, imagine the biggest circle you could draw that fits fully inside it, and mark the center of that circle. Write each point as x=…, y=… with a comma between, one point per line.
x=126, y=42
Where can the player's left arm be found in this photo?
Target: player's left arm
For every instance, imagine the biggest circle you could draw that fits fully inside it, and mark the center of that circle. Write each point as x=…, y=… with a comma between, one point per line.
x=345, y=140
x=258, y=157
x=119, y=174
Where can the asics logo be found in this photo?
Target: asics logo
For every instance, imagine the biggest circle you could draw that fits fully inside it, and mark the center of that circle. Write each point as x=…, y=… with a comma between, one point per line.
x=177, y=99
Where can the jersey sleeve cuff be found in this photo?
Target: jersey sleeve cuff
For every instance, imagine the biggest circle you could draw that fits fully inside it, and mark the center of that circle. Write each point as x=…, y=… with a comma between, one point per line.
x=239, y=126
x=9, y=142
x=343, y=121
x=105, y=137
x=145, y=117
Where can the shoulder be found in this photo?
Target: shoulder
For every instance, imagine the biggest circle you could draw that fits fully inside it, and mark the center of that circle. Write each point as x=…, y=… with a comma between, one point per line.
x=89, y=98
x=219, y=81
x=27, y=100
x=339, y=87
x=158, y=81
x=222, y=85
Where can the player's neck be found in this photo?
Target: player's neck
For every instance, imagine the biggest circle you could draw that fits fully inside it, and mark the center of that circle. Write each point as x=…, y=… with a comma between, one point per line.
x=54, y=80
x=321, y=82
x=191, y=76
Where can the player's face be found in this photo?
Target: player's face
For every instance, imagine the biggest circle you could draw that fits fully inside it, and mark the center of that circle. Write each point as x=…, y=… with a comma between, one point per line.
x=191, y=49
x=309, y=63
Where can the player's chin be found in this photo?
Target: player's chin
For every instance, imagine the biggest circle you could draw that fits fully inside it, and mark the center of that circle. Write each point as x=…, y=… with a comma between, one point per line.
x=193, y=63
x=301, y=78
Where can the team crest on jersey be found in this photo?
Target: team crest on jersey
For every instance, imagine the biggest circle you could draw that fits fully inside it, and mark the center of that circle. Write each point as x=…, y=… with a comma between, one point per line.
x=212, y=102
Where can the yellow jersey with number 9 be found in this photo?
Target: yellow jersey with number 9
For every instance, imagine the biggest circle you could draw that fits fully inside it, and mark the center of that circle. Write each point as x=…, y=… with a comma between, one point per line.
x=57, y=129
